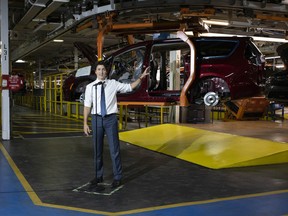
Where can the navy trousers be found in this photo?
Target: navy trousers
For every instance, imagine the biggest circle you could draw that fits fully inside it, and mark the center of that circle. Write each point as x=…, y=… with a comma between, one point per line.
x=106, y=125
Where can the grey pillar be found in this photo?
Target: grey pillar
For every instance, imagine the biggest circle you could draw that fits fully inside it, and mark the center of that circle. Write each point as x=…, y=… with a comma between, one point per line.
x=5, y=70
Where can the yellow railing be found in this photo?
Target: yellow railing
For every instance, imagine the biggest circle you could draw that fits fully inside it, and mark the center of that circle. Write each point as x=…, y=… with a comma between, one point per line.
x=52, y=102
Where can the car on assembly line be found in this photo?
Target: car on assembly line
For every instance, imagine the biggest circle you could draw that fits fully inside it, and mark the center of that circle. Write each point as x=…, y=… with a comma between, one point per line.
x=230, y=67
x=75, y=84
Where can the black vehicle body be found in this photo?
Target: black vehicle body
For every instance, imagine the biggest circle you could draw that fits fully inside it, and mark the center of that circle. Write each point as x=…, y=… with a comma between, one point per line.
x=276, y=88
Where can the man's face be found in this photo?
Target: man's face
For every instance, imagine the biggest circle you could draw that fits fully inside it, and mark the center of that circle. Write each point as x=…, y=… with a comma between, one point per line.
x=101, y=72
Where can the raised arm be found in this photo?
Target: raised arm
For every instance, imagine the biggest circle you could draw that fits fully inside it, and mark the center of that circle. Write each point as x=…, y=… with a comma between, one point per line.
x=138, y=81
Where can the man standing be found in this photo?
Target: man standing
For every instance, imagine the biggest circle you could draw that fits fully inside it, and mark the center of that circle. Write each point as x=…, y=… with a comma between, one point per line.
x=100, y=95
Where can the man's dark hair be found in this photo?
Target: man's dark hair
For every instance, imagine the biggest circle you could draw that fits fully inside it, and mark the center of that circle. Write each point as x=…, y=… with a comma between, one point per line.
x=101, y=63
x=94, y=66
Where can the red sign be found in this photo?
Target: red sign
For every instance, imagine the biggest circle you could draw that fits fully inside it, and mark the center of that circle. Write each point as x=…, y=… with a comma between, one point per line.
x=12, y=82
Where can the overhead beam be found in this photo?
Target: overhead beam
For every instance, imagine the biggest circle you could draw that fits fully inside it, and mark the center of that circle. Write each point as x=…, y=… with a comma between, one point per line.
x=269, y=17
x=31, y=13
x=148, y=26
x=55, y=4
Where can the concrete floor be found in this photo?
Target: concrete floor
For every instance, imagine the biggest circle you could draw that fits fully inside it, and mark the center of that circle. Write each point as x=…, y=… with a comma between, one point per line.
x=48, y=158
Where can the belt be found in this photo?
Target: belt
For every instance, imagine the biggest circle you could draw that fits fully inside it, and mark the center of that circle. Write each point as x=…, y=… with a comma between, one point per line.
x=105, y=115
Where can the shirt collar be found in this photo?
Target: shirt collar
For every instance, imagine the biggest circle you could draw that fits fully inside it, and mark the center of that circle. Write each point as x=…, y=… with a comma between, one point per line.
x=97, y=80
x=105, y=81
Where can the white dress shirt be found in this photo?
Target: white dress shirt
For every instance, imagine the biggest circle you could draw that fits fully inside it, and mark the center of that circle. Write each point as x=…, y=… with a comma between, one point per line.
x=111, y=87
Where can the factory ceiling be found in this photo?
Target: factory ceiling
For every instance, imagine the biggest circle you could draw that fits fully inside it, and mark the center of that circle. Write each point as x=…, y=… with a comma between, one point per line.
x=34, y=24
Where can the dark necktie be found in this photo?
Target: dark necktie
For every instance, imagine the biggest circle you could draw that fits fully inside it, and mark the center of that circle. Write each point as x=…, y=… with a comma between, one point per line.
x=103, y=102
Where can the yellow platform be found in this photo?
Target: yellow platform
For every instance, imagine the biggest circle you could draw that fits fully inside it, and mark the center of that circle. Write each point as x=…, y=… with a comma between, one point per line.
x=206, y=148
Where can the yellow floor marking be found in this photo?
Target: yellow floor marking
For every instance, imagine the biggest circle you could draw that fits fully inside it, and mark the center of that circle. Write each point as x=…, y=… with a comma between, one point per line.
x=36, y=200
x=33, y=196
x=206, y=148
x=202, y=202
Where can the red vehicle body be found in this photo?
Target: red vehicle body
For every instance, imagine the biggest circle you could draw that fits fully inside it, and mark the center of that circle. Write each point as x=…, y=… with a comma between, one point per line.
x=232, y=67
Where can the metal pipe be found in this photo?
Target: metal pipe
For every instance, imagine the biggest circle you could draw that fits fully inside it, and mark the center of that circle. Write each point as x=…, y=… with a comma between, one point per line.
x=183, y=96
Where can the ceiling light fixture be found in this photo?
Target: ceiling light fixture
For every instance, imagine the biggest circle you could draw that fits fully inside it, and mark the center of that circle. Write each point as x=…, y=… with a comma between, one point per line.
x=280, y=66
x=256, y=38
x=58, y=41
x=20, y=61
x=268, y=39
x=216, y=22
x=272, y=57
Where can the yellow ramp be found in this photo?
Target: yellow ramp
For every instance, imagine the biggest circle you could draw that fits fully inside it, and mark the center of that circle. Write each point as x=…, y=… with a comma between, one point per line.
x=206, y=148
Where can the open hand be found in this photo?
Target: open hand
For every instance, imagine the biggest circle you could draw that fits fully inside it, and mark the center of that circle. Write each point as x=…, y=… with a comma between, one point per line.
x=146, y=72
x=86, y=130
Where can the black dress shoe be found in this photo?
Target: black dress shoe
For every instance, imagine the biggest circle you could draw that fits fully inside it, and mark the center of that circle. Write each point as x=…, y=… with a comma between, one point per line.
x=96, y=180
x=115, y=184
x=93, y=186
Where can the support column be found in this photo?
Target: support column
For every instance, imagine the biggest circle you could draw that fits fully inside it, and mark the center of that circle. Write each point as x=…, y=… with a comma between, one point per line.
x=39, y=74
x=174, y=82
x=5, y=70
